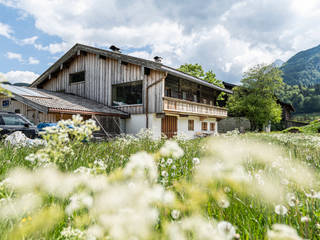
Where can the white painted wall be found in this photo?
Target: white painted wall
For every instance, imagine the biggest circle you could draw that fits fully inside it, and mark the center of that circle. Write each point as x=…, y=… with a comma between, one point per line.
x=138, y=121
x=135, y=123
x=183, y=126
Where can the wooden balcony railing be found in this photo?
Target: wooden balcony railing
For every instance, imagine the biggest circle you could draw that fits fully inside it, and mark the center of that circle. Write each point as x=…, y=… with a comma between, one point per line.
x=193, y=108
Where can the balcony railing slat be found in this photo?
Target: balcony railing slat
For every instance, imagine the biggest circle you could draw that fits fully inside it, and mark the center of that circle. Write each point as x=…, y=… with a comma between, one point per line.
x=184, y=106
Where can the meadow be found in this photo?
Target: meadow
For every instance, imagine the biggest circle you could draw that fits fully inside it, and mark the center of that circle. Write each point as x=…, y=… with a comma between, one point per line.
x=251, y=186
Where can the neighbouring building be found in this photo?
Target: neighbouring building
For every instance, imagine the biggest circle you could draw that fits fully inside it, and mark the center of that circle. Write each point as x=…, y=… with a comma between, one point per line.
x=124, y=94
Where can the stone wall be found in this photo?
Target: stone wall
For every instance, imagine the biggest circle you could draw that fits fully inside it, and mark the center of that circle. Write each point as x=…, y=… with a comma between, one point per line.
x=231, y=123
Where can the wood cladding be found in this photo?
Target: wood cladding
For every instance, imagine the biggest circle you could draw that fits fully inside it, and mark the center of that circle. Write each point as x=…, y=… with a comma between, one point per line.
x=101, y=74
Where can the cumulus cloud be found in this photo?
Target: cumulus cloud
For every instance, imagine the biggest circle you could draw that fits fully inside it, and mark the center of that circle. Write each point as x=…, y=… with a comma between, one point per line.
x=19, y=76
x=18, y=56
x=14, y=56
x=32, y=60
x=29, y=41
x=228, y=36
x=5, y=30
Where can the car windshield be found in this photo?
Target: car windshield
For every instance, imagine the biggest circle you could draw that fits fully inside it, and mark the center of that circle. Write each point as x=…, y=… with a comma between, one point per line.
x=12, y=120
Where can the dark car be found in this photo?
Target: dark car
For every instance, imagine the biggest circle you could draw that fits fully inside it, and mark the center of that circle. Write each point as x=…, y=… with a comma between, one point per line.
x=12, y=122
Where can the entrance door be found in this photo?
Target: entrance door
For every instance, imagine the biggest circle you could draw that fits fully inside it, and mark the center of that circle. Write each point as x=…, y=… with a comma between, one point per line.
x=169, y=126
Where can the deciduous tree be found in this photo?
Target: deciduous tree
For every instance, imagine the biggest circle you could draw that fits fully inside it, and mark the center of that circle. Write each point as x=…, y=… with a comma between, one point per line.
x=256, y=97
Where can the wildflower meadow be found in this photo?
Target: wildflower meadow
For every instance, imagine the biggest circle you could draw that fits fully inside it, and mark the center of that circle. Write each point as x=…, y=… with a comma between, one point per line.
x=250, y=186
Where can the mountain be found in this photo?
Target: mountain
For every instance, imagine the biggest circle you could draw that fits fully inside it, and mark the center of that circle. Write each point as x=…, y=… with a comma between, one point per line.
x=278, y=63
x=303, y=68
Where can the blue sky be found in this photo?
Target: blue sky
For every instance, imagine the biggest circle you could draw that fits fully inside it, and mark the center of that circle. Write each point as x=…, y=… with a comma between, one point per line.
x=227, y=36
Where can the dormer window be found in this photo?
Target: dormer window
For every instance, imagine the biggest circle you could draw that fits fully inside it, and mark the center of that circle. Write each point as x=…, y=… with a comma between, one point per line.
x=77, y=77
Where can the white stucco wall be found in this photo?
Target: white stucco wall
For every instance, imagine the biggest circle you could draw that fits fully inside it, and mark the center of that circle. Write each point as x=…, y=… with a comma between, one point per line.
x=183, y=126
x=138, y=121
x=135, y=123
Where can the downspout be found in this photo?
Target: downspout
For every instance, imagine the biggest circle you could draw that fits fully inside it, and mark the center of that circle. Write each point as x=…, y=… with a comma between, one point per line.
x=147, y=96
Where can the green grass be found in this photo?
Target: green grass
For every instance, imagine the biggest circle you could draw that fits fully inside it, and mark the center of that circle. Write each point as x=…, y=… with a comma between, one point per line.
x=251, y=216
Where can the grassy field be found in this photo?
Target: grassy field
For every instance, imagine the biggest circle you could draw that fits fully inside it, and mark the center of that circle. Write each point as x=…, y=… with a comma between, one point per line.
x=225, y=187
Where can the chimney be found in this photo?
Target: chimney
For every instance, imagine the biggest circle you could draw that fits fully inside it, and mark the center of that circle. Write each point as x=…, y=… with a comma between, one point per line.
x=114, y=49
x=157, y=59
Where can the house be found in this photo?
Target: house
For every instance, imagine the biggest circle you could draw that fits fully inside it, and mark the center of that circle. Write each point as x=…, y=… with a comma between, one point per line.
x=124, y=94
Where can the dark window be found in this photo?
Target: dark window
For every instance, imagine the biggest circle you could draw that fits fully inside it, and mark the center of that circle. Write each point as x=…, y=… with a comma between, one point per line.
x=190, y=125
x=147, y=71
x=12, y=120
x=212, y=127
x=102, y=57
x=77, y=77
x=5, y=103
x=204, y=126
x=168, y=92
x=17, y=110
x=127, y=93
x=124, y=63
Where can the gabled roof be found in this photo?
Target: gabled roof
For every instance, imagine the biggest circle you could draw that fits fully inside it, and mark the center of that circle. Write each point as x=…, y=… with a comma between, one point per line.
x=58, y=102
x=77, y=48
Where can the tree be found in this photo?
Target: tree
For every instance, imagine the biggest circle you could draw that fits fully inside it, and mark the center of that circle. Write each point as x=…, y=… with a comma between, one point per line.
x=256, y=97
x=196, y=70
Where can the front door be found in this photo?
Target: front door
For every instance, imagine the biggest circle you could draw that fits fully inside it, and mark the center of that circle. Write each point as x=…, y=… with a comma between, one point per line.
x=169, y=126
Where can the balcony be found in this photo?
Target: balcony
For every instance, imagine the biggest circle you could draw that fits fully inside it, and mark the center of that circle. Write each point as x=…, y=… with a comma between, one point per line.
x=179, y=106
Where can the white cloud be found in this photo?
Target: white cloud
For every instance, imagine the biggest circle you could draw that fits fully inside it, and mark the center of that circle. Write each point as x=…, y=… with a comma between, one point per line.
x=32, y=60
x=19, y=76
x=5, y=30
x=29, y=41
x=54, y=47
x=15, y=56
x=18, y=56
x=228, y=36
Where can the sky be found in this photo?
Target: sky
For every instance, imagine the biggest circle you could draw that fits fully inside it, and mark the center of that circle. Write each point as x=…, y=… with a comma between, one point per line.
x=226, y=36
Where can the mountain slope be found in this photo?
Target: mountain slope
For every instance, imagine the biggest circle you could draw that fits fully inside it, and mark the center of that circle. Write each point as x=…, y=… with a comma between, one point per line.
x=303, y=68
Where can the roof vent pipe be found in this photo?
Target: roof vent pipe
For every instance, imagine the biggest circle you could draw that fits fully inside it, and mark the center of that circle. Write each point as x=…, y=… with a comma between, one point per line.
x=157, y=59
x=114, y=48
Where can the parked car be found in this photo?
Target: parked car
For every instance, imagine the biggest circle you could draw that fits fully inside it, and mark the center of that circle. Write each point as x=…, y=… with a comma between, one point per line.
x=12, y=122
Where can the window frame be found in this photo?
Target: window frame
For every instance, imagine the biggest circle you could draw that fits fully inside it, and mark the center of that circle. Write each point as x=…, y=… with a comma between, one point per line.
x=190, y=125
x=75, y=73
x=212, y=126
x=204, y=126
x=138, y=82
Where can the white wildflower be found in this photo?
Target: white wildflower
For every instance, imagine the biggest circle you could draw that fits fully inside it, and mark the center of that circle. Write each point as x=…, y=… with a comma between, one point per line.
x=196, y=161
x=226, y=229
x=305, y=219
x=175, y=214
x=282, y=232
x=224, y=203
x=164, y=173
x=169, y=161
x=281, y=210
x=171, y=148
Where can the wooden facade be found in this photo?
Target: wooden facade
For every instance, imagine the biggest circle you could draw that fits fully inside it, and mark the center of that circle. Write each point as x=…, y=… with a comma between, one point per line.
x=103, y=73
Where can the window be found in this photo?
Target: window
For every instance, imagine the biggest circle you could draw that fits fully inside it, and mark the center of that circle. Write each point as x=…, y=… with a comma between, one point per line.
x=190, y=125
x=168, y=92
x=204, y=126
x=11, y=120
x=17, y=110
x=184, y=95
x=147, y=71
x=127, y=93
x=77, y=77
x=212, y=127
x=5, y=103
